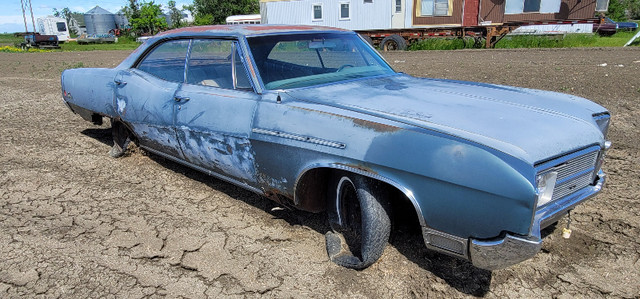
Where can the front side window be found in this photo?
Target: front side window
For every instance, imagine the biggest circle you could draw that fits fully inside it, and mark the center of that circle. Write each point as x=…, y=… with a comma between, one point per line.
x=214, y=63
x=317, y=12
x=299, y=60
x=344, y=11
x=166, y=61
x=435, y=8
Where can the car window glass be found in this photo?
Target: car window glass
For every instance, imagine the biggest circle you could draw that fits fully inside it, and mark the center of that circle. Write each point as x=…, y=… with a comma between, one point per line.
x=210, y=63
x=332, y=53
x=288, y=61
x=242, y=81
x=167, y=61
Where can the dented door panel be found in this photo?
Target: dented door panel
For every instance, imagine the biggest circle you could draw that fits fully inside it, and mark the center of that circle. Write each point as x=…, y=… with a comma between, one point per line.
x=213, y=127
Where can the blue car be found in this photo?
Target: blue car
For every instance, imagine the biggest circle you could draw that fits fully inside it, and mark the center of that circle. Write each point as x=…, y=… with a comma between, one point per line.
x=315, y=119
x=622, y=25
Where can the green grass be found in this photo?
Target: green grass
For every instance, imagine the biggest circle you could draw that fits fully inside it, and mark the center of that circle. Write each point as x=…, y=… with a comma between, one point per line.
x=124, y=43
x=444, y=44
x=566, y=41
x=7, y=39
x=532, y=41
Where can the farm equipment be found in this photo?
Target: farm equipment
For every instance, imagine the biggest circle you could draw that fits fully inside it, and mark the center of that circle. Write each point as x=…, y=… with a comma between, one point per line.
x=37, y=40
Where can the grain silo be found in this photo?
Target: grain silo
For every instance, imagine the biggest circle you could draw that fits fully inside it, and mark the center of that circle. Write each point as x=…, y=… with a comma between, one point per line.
x=99, y=21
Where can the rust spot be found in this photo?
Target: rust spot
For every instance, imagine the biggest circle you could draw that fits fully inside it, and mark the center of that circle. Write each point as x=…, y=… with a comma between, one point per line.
x=288, y=27
x=358, y=167
x=378, y=127
x=197, y=29
x=248, y=28
x=279, y=197
x=229, y=149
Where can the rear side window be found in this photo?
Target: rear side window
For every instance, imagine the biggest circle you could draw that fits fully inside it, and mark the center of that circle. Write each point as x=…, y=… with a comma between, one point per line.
x=214, y=63
x=166, y=61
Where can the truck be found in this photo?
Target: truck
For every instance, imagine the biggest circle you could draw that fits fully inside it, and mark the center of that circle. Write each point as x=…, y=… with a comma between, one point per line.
x=37, y=40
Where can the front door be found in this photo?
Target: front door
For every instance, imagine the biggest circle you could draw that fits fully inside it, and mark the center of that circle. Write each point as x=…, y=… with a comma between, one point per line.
x=215, y=111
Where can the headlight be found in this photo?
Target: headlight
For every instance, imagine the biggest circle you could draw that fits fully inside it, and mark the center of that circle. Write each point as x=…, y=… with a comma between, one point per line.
x=603, y=120
x=546, y=184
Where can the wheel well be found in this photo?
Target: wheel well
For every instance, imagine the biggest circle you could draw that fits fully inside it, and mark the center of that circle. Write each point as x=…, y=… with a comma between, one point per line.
x=126, y=127
x=311, y=195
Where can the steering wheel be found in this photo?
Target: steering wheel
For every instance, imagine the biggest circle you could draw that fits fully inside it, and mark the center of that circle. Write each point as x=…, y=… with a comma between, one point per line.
x=342, y=67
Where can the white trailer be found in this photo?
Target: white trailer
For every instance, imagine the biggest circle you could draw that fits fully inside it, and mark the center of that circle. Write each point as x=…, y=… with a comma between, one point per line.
x=51, y=25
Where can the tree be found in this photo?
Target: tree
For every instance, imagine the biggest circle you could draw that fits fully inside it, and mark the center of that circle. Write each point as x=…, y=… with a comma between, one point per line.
x=150, y=19
x=216, y=11
x=622, y=10
x=175, y=14
x=69, y=16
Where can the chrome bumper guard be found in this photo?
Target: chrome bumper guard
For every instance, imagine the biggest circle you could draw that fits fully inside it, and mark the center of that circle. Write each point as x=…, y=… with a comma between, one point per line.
x=512, y=249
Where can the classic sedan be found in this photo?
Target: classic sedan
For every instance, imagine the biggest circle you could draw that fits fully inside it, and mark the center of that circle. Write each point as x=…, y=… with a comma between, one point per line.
x=315, y=119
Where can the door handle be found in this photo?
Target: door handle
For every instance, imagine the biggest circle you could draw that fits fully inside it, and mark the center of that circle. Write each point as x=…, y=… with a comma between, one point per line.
x=181, y=99
x=119, y=82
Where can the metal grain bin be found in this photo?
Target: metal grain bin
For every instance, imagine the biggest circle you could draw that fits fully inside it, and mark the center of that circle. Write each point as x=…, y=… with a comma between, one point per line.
x=99, y=21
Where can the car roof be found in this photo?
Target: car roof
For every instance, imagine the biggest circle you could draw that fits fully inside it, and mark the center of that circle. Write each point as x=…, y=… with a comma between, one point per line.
x=237, y=31
x=245, y=30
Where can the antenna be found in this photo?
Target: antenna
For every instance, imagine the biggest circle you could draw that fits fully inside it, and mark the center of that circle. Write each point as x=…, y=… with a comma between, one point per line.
x=24, y=4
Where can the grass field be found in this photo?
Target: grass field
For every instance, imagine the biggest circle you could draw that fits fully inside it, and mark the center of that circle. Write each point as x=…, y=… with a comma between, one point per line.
x=124, y=43
x=532, y=41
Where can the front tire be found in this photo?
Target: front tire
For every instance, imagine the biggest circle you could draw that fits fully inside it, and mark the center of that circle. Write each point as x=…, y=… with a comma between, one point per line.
x=359, y=219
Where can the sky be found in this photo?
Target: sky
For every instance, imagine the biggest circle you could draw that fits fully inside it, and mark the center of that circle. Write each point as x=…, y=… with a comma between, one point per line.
x=11, y=15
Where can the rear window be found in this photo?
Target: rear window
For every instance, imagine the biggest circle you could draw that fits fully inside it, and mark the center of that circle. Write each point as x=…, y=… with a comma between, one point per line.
x=166, y=61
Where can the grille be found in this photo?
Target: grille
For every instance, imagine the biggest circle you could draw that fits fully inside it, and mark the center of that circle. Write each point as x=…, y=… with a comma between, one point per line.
x=574, y=174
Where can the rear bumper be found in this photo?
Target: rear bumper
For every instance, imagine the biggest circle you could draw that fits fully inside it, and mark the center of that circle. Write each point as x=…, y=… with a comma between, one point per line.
x=511, y=249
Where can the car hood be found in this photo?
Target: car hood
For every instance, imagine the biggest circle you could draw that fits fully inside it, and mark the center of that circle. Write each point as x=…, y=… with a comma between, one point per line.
x=532, y=125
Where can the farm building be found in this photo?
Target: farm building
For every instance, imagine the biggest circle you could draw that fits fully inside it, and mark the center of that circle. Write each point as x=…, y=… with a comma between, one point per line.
x=398, y=14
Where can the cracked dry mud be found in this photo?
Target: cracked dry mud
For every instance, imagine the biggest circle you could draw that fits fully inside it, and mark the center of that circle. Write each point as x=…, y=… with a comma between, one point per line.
x=75, y=222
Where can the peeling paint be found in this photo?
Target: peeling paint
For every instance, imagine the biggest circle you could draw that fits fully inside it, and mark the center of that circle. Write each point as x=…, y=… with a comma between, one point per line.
x=378, y=127
x=229, y=155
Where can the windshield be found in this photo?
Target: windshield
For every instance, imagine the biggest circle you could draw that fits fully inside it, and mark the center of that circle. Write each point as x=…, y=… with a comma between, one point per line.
x=299, y=60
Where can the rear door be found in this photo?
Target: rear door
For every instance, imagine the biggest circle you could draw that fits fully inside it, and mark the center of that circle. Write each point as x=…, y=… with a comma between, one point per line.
x=215, y=111
x=145, y=96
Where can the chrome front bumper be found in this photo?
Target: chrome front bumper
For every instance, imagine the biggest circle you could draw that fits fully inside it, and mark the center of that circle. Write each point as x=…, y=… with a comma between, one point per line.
x=512, y=249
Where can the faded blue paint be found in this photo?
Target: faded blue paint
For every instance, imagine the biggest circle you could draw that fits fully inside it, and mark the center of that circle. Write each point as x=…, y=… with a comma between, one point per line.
x=464, y=153
x=214, y=126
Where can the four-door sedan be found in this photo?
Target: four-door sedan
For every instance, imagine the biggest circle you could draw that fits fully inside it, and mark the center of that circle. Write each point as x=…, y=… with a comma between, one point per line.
x=315, y=119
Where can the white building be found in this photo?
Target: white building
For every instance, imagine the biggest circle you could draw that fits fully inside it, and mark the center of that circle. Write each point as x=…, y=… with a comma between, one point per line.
x=353, y=15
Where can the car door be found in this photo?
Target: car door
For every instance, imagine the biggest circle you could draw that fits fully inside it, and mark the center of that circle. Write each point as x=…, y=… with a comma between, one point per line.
x=145, y=96
x=215, y=112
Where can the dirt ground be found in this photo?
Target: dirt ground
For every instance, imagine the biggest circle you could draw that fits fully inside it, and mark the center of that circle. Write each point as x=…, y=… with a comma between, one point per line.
x=76, y=223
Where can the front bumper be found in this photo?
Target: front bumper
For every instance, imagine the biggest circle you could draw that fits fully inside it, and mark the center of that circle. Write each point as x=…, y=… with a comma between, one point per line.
x=512, y=249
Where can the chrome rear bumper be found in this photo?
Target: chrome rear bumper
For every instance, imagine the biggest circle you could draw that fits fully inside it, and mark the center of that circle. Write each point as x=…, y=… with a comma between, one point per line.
x=512, y=249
